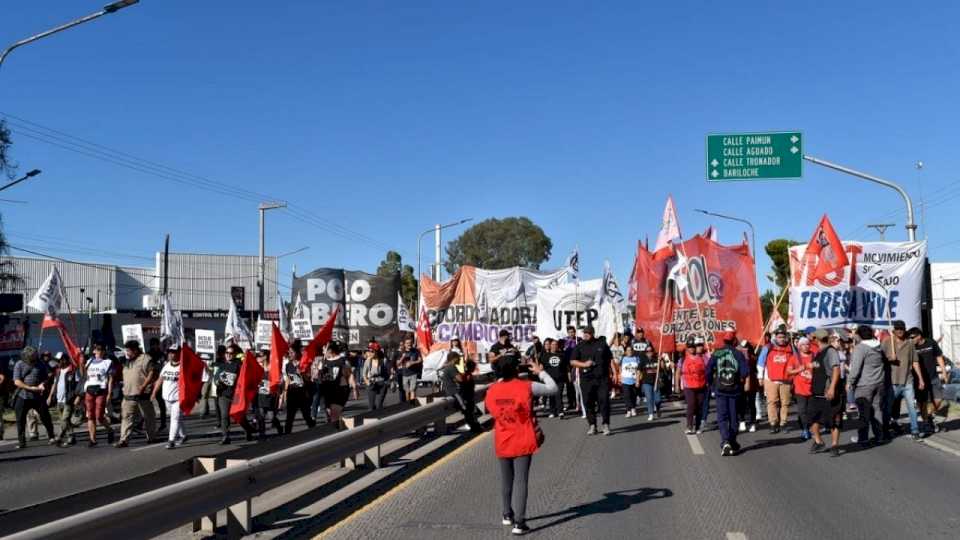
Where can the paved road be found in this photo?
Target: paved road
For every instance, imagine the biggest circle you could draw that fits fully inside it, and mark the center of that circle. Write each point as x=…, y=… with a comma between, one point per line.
x=645, y=480
x=42, y=473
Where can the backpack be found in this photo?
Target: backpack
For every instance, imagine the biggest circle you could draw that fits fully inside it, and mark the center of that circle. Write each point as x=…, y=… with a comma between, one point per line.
x=728, y=371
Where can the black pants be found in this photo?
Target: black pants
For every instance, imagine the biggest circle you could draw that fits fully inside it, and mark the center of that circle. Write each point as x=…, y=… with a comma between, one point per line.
x=376, y=395
x=630, y=397
x=747, y=407
x=596, y=393
x=556, y=400
x=297, y=401
x=514, y=471
x=571, y=396
x=162, y=407
x=224, y=403
x=261, y=412
x=695, y=400
x=22, y=406
x=802, y=403
x=467, y=405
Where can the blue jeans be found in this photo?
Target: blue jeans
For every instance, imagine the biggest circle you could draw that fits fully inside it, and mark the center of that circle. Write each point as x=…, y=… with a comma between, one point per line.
x=903, y=392
x=727, y=419
x=652, y=397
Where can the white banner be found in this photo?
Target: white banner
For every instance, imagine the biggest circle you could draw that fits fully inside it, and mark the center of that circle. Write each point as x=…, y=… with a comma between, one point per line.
x=132, y=332
x=206, y=341
x=264, y=332
x=50, y=295
x=404, y=320
x=302, y=329
x=577, y=306
x=883, y=283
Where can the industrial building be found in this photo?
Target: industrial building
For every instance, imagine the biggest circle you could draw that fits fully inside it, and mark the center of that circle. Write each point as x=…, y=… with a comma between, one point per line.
x=100, y=297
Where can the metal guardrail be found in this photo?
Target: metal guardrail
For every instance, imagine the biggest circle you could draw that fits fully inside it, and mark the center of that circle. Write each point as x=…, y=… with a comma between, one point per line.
x=161, y=510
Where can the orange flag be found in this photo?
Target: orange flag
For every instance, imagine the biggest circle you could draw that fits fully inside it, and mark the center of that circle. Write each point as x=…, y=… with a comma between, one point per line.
x=825, y=245
x=251, y=373
x=278, y=351
x=324, y=336
x=73, y=351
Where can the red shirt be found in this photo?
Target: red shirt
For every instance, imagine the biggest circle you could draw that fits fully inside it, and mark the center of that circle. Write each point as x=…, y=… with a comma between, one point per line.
x=510, y=403
x=803, y=381
x=778, y=360
x=694, y=371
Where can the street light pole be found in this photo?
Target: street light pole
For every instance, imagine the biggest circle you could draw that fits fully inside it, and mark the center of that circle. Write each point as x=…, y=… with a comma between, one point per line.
x=753, y=233
x=911, y=225
x=27, y=176
x=261, y=270
x=436, y=230
x=107, y=9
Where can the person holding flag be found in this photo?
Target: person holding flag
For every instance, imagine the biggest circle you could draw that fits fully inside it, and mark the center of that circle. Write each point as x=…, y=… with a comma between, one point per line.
x=336, y=382
x=227, y=378
x=168, y=387
x=266, y=402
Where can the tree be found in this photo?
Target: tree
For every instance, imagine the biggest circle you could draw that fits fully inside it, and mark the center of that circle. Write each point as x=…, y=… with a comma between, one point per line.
x=7, y=167
x=9, y=280
x=500, y=243
x=393, y=264
x=779, y=252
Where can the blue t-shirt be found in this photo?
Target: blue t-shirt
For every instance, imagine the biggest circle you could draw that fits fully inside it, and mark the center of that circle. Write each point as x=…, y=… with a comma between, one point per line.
x=629, y=365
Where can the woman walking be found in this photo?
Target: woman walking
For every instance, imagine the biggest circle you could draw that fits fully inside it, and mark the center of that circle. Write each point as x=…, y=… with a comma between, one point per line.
x=97, y=388
x=693, y=378
x=376, y=377
x=516, y=435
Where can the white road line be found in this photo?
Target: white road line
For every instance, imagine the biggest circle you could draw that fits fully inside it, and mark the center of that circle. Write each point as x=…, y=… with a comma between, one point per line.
x=736, y=536
x=157, y=445
x=695, y=445
x=941, y=447
x=7, y=443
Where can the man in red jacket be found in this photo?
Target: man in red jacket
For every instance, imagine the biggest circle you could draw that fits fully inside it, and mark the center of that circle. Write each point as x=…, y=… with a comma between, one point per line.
x=780, y=357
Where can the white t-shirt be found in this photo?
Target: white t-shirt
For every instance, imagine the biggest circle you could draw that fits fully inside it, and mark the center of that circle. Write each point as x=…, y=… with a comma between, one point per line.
x=98, y=371
x=170, y=375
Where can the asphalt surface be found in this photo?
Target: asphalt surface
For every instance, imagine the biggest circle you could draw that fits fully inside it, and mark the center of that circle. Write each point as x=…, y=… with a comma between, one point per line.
x=646, y=480
x=43, y=473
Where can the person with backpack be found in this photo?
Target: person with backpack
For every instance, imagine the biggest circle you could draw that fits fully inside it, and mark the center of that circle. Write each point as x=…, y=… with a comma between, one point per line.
x=866, y=379
x=692, y=379
x=776, y=359
x=827, y=400
x=747, y=404
x=727, y=374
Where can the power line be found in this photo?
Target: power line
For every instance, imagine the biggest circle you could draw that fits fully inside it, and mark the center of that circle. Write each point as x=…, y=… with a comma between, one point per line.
x=94, y=150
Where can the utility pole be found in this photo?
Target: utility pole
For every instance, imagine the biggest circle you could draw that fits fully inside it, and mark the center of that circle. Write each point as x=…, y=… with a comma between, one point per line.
x=166, y=263
x=923, y=206
x=436, y=252
x=881, y=228
x=261, y=272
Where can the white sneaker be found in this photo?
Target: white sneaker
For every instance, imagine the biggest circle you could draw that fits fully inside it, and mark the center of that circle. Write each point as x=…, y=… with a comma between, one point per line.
x=650, y=418
x=743, y=427
x=753, y=428
x=606, y=429
x=592, y=430
x=700, y=431
x=551, y=415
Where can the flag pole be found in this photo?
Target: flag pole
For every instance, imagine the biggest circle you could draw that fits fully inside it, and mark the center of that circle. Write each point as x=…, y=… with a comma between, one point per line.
x=776, y=309
x=667, y=300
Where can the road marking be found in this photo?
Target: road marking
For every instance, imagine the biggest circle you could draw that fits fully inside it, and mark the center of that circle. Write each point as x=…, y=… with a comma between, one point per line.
x=156, y=445
x=400, y=487
x=736, y=536
x=941, y=447
x=695, y=445
x=7, y=443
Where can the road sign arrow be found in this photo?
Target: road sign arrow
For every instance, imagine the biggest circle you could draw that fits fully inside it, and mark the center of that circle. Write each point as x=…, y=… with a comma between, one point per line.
x=794, y=139
x=794, y=149
x=714, y=162
x=714, y=173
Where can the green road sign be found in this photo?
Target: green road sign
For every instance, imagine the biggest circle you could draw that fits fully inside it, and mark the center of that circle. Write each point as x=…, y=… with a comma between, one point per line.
x=754, y=156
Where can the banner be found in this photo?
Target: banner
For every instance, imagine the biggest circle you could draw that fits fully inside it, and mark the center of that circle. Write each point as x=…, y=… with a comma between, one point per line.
x=302, y=329
x=132, y=332
x=698, y=289
x=368, y=304
x=206, y=341
x=882, y=283
x=263, y=333
x=404, y=320
x=49, y=296
x=475, y=304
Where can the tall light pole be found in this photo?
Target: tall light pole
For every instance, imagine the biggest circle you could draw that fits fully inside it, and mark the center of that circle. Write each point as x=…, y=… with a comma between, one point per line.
x=107, y=9
x=436, y=230
x=27, y=176
x=261, y=271
x=753, y=233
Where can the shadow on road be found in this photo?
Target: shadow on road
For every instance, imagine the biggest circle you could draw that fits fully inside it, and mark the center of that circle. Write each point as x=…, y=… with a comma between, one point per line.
x=27, y=458
x=643, y=426
x=772, y=443
x=611, y=503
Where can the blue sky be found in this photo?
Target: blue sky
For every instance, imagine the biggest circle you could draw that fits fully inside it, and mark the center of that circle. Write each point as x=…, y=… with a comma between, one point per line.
x=383, y=118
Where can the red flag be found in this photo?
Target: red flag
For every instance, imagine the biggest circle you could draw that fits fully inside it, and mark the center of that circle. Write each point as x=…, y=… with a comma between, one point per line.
x=825, y=245
x=251, y=374
x=278, y=351
x=191, y=379
x=424, y=337
x=73, y=351
x=324, y=335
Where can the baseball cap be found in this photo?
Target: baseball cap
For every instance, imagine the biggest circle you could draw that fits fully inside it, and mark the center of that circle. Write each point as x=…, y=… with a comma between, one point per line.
x=899, y=325
x=589, y=330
